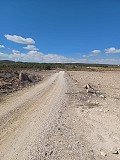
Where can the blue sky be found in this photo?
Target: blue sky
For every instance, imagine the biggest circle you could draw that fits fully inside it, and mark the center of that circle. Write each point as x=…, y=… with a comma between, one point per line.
x=60, y=31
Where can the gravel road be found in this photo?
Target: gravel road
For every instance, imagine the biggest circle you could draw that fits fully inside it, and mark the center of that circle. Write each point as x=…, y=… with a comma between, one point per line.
x=59, y=119
x=34, y=124
x=23, y=116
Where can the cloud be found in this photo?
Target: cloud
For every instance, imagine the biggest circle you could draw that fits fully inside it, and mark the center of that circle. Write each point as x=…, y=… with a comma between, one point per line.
x=31, y=47
x=35, y=56
x=16, y=52
x=2, y=46
x=19, y=39
x=112, y=50
x=3, y=55
x=96, y=51
x=106, y=61
x=56, y=58
x=92, y=54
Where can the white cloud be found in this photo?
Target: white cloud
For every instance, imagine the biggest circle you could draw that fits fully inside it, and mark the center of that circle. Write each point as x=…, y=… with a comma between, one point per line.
x=112, y=50
x=106, y=61
x=16, y=52
x=92, y=54
x=100, y=61
x=96, y=51
x=3, y=55
x=56, y=58
x=35, y=56
x=19, y=39
x=31, y=47
x=2, y=46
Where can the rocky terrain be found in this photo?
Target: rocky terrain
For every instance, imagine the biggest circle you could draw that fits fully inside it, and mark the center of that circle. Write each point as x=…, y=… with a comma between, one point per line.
x=95, y=102
x=11, y=81
x=67, y=116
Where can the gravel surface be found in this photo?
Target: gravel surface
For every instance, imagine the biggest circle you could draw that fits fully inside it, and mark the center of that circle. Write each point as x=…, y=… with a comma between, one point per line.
x=98, y=112
x=68, y=116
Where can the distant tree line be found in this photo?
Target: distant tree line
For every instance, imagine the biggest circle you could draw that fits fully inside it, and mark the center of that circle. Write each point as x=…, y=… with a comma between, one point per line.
x=50, y=66
x=26, y=65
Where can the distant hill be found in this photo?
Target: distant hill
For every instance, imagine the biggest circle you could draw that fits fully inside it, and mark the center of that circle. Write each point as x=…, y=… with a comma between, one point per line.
x=6, y=62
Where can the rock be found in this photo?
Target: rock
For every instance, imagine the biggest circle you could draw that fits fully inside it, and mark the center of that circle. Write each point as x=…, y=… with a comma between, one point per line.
x=76, y=83
x=90, y=90
x=86, y=111
x=103, y=153
x=88, y=86
x=34, y=78
x=97, y=92
x=115, y=151
x=94, y=94
x=106, y=111
x=51, y=152
x=69, y=146
x=45, y=153
x=102, y=96
x=24, y=77
x=96, y=102
x=101, y=110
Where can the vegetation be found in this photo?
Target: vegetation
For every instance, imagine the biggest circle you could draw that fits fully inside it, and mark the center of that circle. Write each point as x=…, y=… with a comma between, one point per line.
x=50, y=66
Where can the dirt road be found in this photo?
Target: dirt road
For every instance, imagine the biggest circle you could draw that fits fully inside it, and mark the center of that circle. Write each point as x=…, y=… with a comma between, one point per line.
x=35, y=124
x=59, y=119
x=23, y=116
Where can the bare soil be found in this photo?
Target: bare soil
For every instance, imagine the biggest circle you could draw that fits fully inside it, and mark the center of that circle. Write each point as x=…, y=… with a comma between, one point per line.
x=96, y=115
x=67, y=116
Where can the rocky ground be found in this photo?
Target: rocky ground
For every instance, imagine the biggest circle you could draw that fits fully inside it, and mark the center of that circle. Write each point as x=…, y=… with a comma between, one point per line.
x=68, y=116
x=11, y=81
x=95, y=102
